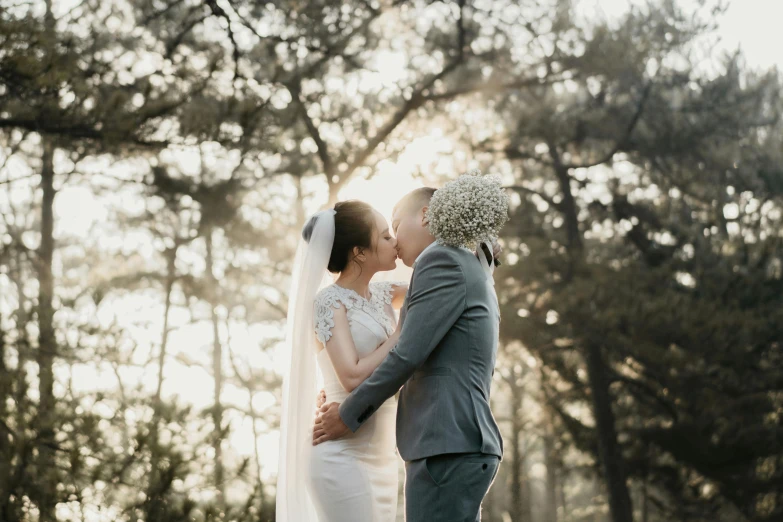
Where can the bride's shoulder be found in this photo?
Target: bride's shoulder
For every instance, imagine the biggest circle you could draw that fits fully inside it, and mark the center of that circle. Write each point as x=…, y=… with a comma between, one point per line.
x=335, y=296
x=327, y=300
x=329, y=296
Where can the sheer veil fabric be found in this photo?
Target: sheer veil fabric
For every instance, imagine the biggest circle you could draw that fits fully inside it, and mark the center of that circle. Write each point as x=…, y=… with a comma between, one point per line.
x=309, y=275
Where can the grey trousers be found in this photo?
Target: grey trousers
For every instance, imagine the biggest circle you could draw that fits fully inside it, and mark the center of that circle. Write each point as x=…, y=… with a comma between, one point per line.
x=448, y=488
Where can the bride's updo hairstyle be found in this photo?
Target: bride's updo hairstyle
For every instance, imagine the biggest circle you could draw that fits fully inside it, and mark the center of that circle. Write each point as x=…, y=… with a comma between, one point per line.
x=354, y=224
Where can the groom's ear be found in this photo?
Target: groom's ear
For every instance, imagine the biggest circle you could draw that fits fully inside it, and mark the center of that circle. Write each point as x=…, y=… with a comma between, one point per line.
x=424, y=219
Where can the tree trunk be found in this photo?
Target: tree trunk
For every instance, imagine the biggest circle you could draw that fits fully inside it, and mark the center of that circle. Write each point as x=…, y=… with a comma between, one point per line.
x=46, y=466
x=256, y=452
x=47, y=349
x=21, y=449
x=488, y=507
x=562, y=500
x=520, y=484
x=155, y=503
x=645, y=500
x=299, y=210
x=492, y=507
x=550, y=493
x=6, y=438
x=609, y=451
x=217, y=368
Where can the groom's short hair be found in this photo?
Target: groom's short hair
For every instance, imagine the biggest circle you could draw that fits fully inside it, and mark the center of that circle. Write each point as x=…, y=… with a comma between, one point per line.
x=414, y=201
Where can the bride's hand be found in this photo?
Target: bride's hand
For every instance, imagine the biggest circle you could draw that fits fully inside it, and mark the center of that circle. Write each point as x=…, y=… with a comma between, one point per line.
x=320, y=401
x=496, y=251
x=399, y=291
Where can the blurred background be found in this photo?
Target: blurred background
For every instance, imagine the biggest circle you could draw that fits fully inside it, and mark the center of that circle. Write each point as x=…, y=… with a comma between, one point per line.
x=159, y=157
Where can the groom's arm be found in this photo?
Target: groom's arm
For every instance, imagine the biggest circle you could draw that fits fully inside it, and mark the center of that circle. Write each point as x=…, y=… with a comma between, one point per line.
x=436, y=301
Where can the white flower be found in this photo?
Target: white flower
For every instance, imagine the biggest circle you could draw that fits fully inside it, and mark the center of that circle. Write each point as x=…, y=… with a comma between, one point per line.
x=470, y=209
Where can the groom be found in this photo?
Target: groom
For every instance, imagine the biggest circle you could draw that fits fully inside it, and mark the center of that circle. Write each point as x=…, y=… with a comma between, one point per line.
x=444, y=362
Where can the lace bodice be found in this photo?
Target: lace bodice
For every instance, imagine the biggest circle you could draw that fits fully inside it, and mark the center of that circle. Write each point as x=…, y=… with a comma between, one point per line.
x=371, y=322
x=377, y=308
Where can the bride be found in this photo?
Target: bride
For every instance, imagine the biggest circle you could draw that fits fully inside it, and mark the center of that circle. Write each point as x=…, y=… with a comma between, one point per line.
x=345, y=329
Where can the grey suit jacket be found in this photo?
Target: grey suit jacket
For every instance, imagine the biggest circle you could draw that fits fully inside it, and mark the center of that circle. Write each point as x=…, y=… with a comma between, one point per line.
x=445, y=359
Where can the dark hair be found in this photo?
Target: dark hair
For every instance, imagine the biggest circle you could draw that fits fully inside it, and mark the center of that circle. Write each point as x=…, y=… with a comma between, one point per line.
x=354, y=224
x=415, y=200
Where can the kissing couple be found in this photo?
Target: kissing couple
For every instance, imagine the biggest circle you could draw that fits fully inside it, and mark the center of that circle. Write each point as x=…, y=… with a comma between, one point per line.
x=343, y=335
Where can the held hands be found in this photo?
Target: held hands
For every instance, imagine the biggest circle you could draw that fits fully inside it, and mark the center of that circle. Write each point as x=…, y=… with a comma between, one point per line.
x=496, y=251
x=329, y=425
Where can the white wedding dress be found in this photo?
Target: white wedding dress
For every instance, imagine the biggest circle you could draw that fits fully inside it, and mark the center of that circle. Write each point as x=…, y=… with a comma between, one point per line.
x=355, y=479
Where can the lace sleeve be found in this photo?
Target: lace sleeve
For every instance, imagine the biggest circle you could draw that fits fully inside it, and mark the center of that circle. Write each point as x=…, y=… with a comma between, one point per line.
x=326, y=302
x=384, y=290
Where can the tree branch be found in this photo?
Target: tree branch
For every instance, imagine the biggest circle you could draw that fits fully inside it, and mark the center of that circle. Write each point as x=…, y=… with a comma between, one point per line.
x=413, y=103
x=221, y=13
x=526, y=190
x=323, y=150
x=494, y=88
x=72, y=131
x=624, y=139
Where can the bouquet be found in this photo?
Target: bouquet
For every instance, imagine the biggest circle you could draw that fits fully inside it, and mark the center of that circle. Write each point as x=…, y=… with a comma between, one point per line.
x=468, y=211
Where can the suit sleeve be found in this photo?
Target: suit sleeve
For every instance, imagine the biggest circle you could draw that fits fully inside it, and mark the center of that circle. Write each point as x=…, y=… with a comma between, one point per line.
x=436, y=301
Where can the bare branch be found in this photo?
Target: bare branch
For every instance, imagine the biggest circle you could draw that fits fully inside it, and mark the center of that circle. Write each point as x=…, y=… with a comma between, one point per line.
x=624, y=139
x=517, y=154
x=526, y=190
x=157, y=14
x=323, y=151
x=221, y=13
x=413, y=103
x=77, y=131
x=172, y=45
x=494, y=88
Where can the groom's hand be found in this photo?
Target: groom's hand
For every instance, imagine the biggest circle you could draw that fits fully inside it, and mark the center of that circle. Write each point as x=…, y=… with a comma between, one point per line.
x=329, y=425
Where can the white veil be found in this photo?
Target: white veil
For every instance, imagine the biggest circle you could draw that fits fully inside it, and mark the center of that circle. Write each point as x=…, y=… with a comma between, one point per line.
x=299, y=380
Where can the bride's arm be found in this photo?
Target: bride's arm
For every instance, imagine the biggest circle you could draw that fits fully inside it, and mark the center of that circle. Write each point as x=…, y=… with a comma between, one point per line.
x=352, y=370
x=437, y=301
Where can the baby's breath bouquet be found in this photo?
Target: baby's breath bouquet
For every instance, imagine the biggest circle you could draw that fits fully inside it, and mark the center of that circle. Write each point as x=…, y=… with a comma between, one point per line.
x=471, y=209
